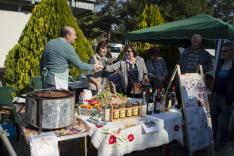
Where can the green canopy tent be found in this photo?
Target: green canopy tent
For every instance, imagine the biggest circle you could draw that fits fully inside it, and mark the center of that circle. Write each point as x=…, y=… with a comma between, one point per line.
x=209, y=27
x=179, y=32
x=212, y=30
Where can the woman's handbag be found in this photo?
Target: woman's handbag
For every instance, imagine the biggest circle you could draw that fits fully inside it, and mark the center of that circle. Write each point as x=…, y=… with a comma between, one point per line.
x=137, y=88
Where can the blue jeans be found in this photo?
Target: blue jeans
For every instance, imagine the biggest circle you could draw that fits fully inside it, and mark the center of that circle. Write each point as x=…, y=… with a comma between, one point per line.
x=220, y=113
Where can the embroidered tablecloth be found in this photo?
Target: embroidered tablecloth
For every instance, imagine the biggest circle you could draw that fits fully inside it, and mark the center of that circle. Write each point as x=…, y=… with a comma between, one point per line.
x=127, y=135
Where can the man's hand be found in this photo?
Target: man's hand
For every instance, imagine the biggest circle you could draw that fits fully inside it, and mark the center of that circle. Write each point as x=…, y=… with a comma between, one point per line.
x=98, y=67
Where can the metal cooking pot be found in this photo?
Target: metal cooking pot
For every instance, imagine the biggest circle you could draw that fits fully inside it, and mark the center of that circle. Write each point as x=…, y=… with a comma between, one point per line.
x=50, y=109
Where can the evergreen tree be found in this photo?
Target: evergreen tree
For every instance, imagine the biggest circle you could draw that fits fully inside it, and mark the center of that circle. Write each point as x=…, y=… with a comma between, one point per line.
x=150, y=16
x=89, y=24
x=47, y=18
x=115, y=18
x=173, y=10
x=128, y=14
x=224, y=10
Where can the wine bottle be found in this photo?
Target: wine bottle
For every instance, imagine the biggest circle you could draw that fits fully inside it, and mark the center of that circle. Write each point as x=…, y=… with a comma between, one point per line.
x=173, y=97
x=168, y=101
x=143, y=104
x=150, y=101
x=154, y=96
x=163, y=100
x=158, y=101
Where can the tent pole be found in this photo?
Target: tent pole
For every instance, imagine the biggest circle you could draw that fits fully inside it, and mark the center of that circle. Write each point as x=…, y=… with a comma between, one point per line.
x=217, y=54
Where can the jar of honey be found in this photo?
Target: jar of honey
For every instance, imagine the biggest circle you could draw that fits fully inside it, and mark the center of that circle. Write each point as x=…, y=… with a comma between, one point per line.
x=129, y=110
x=122, y=112
x=135, y=111
x=115, y=112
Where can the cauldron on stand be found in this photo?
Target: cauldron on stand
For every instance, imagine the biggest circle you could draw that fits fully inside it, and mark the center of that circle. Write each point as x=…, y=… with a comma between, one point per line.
x=50, y=109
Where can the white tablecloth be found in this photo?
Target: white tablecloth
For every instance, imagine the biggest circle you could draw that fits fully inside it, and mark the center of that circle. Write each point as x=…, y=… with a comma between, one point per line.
x=127, y=135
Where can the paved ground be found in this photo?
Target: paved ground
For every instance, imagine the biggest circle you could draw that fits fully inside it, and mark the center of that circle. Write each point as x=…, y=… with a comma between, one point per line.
x=75, y=148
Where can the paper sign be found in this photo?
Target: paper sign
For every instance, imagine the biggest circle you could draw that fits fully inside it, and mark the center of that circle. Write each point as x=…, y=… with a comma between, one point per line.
x=150, y=126
x=45, y=144
x=196, y=111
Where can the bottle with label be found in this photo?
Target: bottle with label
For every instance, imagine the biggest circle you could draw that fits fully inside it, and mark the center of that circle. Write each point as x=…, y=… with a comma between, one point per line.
x=150, y=101
x=173, y=97
x=163, y=100
x=158, y=101
x=168, y=101
x=154, y=96
x=107, y=113
x=143, y=104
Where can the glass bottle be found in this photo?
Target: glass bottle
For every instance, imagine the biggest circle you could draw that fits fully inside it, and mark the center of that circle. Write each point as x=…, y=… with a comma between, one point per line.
x=173, y=97
x=150, y=101
x=154, y=96
x=143, y=104
x=158, y=101
x=163, y=100
x=107, y=113
x=168, y=101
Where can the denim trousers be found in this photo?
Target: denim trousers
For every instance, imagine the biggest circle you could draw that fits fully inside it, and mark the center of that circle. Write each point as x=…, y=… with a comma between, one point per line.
x=220, y=114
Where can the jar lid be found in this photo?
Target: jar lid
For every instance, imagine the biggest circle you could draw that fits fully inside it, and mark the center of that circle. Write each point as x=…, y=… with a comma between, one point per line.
x=128, y=105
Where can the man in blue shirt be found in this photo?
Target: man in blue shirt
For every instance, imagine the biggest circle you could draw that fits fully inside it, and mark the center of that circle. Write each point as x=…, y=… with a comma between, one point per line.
x=194, y=56
x=57, y=55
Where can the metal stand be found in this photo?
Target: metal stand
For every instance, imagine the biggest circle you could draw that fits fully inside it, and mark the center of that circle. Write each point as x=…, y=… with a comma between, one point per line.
x=85, y=144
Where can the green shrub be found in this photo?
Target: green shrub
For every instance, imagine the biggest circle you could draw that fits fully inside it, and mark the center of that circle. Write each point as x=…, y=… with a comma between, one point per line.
x=149, y=17
x=22, y=61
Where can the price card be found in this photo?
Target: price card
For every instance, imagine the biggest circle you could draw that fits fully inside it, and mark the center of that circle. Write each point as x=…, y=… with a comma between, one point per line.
x=45, y=144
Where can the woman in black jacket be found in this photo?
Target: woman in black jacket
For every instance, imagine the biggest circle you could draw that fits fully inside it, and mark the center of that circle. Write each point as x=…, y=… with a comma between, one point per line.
x=223, y=97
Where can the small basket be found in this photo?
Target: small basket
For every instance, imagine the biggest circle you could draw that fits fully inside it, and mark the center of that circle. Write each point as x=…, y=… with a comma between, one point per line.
x=87, y=112
x=137, y=88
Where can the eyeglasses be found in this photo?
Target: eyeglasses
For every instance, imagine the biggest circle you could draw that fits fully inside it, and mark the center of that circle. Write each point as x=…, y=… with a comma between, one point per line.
x=129, y=51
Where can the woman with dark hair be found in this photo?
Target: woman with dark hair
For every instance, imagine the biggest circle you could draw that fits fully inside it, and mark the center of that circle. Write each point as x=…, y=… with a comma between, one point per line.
x=132, y=69
x=157, y=68
x=98, y=80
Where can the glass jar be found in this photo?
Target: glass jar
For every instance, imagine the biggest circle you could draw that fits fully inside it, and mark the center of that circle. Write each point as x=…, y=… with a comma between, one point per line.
x=122, y=112
x=107, y=113
x=129, y=110
x=115, y=112
x=135, y=111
